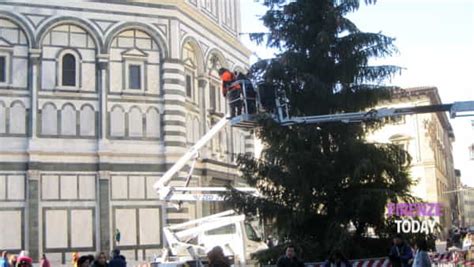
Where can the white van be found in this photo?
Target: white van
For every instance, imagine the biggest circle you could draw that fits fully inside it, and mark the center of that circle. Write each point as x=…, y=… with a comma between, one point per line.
x=193, y=239
x=236, y=239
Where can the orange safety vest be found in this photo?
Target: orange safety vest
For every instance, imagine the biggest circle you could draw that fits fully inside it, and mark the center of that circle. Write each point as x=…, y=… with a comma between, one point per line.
x=227, y=79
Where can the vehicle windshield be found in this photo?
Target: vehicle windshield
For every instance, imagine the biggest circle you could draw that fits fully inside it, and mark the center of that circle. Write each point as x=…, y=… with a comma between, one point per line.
x=251, y=233
x=224, y=230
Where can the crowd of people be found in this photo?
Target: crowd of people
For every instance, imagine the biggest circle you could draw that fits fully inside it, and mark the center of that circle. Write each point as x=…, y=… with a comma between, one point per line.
x=100, y=260
x=460, y=238
x=401, y=255
x=21, y=260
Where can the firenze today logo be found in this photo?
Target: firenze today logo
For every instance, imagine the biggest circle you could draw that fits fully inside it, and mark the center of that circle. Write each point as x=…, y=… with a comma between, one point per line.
x=410, y=210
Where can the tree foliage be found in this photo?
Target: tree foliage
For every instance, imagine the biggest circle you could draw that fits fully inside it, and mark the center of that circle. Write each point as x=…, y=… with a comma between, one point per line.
x=320, y=181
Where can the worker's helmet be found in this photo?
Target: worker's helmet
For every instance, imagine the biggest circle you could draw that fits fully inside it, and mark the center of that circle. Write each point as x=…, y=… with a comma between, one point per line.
x=222, y=70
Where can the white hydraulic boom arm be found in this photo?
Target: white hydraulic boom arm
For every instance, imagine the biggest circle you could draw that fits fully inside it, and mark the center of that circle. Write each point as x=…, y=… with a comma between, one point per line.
x=178, y=236
x=456, y=109
x=161, y=185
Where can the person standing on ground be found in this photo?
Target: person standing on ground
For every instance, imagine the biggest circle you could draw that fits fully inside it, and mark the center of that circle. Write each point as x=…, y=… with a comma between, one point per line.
x=457, y=241
x=421, y=258
x=467, y=242
x=75, y=258
x=400, y=253
x=24, y=263
x=4, y=259
x=24, y=258
x=270, y=243
x=449, y=243
x=100, y=260
x=289, y=259
x=231, y=90
x=217, y=258
x=44, y=262
x=337, y=259
x=117, y=259
x=12, y=261
x=83, y=261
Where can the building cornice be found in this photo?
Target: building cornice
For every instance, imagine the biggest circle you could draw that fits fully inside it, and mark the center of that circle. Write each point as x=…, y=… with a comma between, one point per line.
x=192, y=13
x=176, y=6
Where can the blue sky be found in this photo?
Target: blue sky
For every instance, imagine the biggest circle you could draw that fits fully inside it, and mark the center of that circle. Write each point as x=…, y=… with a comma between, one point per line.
x=436, y=43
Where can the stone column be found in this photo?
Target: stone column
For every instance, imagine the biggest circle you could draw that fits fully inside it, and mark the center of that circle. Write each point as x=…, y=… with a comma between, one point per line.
x=202, y=87
x=102, y=80
x=34, y=80
x=103, y=220
x=32, y=214
x=205, y=151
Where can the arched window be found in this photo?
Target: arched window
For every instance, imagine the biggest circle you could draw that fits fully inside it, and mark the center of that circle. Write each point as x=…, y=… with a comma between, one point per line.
x=190, y=61
x=87, y=121
x=216, y=101
x=153, y=123
x=68, y=120
x=134, y=63
x=135, y=122
x=72, y=52
x=14, y=42
x=117, y=122
x=69, y=70
x=49, y=120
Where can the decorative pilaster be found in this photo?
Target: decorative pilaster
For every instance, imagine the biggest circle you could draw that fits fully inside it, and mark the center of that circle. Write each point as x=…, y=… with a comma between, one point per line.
x=104, y=211
x=32, y=214
x=103, y=184
x=202, y=88
x=103, y=67
x=34, y=80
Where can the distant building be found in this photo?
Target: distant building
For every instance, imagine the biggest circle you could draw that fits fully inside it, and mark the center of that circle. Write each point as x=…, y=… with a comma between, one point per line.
x=471, y=147
x=467, y=196
x=97, y=100
x=458, y=202
x=428, y=139
x=469, y=193
x=464, y=149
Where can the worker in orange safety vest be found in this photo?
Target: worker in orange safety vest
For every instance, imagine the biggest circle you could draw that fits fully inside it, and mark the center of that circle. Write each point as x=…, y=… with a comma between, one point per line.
x=231, y=90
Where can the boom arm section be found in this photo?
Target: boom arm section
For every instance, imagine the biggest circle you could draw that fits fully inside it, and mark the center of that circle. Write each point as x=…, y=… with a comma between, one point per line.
x=456, y=109
x=178, y=236
x=161, y=185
